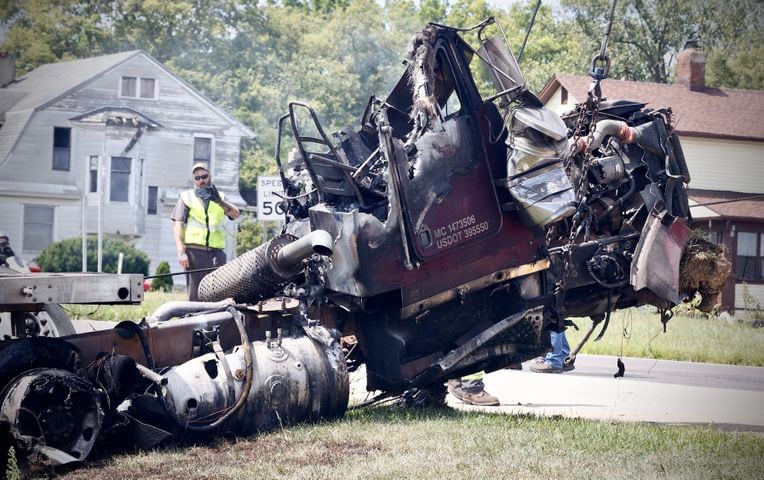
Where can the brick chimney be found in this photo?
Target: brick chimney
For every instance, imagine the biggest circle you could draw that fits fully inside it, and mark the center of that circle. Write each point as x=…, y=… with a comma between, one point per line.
x=7, y=68
x=691, y=67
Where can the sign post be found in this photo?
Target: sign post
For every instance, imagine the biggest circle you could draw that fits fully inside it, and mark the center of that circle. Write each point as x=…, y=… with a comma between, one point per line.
x=269, y=206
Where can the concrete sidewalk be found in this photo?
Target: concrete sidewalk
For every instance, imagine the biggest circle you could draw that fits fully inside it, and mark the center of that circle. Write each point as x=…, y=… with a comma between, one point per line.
x=652, y=391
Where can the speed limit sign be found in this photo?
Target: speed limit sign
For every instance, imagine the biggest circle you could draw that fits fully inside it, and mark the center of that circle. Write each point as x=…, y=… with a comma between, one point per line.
x=269, y=206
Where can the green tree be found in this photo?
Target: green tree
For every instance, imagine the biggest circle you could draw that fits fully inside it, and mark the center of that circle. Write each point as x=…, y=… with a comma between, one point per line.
x=45, y=31
x=66, y=256
x=253, y=58
x=648, y=34
x=162, y=284
x=432, y=11
x=645, y=37
x=734, y=41
x=250, y=235
x=555, y=45
x=403, y=19
x=169, y=30
x=466, y=13
x=740, y=68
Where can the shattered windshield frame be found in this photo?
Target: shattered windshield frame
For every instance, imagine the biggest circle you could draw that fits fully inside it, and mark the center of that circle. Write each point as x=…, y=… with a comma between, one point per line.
x=499, y=63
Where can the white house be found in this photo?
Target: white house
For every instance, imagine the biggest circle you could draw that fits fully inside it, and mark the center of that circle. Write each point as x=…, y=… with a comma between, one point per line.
x=722, y=135
x=108, y=142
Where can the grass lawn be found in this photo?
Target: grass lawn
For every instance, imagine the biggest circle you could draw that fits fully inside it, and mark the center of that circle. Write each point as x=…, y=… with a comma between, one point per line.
x=394, y=443
x=117, y=313
x=640, y=334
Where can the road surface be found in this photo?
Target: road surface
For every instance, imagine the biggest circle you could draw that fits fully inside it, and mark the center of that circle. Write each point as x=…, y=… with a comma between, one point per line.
x=660, y=391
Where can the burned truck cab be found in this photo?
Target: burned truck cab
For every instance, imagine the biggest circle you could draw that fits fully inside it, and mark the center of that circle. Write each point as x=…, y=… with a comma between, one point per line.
x=465, y=227
x=468, y=221
x=421, y=217
x=449, y=233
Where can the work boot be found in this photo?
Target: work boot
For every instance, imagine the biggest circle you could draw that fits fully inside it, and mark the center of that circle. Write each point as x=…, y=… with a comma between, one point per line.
x=545, y=367
x=481, y=398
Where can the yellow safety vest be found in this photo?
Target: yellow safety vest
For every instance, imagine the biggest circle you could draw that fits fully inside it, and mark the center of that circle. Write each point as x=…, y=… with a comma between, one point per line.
x=203, y=227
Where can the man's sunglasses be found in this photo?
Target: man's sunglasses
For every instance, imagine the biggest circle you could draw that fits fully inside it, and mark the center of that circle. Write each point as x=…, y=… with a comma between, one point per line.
x=201, y=177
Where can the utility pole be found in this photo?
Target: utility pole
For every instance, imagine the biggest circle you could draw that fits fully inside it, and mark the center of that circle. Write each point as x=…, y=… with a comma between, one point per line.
x=101, y=176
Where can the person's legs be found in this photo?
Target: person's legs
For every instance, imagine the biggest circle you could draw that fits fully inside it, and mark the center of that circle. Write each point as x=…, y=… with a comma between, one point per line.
x=200, y=258
x=473, y=383
x=564, y=345
x=556, y=356
x=218, y=259
x=471, y=390
x=566, y=353
x=552, y=361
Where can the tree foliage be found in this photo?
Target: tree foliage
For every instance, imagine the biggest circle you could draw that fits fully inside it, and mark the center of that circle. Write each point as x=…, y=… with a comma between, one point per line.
x=253, y=58
x=162, y=284
x=648, y=34
x=251, y=234
x=66, y=256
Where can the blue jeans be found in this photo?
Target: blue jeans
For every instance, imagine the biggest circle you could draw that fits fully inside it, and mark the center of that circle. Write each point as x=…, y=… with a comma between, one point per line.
x=560, y=350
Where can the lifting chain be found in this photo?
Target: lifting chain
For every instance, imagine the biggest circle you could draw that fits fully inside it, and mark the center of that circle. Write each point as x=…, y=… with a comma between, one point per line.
x=599, y=71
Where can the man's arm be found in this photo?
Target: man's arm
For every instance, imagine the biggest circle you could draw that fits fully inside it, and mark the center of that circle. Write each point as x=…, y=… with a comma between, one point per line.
x=177, y=233
x=179, y=216
x=229, y=208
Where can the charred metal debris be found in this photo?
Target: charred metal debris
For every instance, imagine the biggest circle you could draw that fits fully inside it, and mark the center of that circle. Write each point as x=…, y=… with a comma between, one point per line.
x=449, y=233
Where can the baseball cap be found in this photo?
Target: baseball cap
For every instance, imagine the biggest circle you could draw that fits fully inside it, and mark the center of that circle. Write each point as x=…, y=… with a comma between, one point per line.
x=198, y=165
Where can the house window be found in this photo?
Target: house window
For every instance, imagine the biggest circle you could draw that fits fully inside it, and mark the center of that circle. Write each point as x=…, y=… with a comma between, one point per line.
x=38, y=227
x=138, y=87
x=120, y=179
x=563, y=96
x=62, y=140
x=151, y=207
x=748, y=259
x=202, y=150
x=93, y=174
x=129, y=86
x=147, y=87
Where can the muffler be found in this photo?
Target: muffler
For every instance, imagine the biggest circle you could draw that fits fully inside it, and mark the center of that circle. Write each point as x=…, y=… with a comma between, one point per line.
x=295, y=379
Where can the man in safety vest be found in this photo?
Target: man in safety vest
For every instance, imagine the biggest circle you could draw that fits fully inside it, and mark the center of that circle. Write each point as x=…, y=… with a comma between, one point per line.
x=199, y=227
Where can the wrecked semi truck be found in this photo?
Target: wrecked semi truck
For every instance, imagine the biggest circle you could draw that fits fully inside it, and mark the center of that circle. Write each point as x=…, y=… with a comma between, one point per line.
x=449, y=234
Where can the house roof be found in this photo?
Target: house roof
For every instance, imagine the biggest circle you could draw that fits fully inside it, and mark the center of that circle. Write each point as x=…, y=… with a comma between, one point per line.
x=48, y=83
x=731, y=205
x=713, y=112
